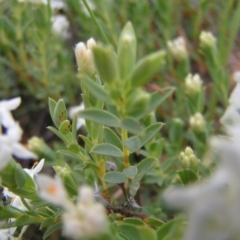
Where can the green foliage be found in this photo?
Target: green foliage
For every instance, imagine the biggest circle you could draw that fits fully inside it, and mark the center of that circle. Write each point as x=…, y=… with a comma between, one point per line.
x=137, y=110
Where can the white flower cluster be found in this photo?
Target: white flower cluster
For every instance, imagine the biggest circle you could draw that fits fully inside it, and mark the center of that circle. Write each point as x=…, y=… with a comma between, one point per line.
x=213, y=206
x=177, y=48
x=83, y=220
x=84, y=56
x=10, y=140
x=232, y=113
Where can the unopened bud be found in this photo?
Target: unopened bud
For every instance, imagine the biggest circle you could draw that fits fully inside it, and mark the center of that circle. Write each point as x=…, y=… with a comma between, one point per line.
x=177, y=48
x=84, y=57
x=193, y=84
x=207, y=40
x=197, y=122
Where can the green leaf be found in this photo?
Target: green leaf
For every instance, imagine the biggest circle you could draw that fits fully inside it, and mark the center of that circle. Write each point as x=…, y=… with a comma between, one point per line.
x=144, y=166
x=69, y=154
x=106, y=63
x=100, y=116
x=21, y=220
x=52, y=229
x=147, y=233
x=133, y=188
x=134, y=221
x=60, y=135
x=187, y=175
x=59, y=113
x=115, y=177
x=168, y=228
x=8, y=212
x=129, y=230
x=156, y=99
x=150, y=132
x=19, y=176
x=46, y=222
x=130, y=172
x=52, y=104
x=146, y=68
x=74, y=128
x=127, y=48
x=154, y=222
x=132, y=125
x=133, y=143
x=107, y=149
x=97, y=90
x=111, y=137
x=87, y=141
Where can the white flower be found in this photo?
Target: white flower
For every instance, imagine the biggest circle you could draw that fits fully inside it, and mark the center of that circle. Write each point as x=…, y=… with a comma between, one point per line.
x=52, y=190
x=87, y=219
x=35, y=169
x=73, y=111
x=177, y=48
x=213, y=207
x=60, y=26
x=84, y=57
x=193, y=84
x=197, y=122
x=207, y=39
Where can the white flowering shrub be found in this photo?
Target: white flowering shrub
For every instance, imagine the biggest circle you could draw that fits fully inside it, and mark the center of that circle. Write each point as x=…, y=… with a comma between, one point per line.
x=143, y=130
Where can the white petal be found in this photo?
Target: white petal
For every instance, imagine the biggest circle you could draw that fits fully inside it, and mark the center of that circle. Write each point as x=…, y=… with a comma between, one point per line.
x=5, y=151
x=231, y=116
x=11, y=104
x=14, y=132
x=74, y=110
x=39, y=167
x=21, y=152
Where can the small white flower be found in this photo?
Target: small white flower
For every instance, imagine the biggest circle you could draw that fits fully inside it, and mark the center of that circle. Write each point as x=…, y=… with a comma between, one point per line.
x=207, y=39
x=87, y=219
x=35, y=169
x=177, y=48
x=193, y=84
x=73, y=111
x=60, y=26
x=52, y=190
x=213, y=207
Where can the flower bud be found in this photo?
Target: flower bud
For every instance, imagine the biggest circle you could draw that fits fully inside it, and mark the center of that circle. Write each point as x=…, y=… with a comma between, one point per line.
x=197, y=122
x=84, y=57
x=177, y=48
x=188, y=159
x=207, y=40
x=193, y=84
